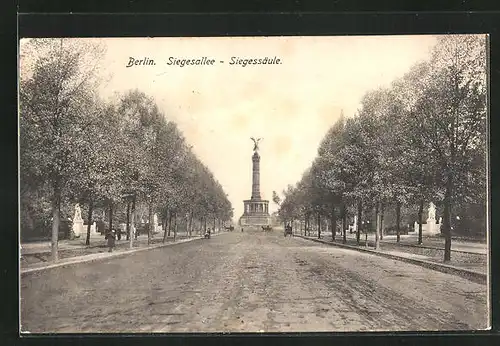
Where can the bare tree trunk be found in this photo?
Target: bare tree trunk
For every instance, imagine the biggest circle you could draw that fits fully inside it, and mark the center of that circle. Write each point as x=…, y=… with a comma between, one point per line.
x=204, y=225
x=377, y=226
x=190, y=227
x=398, y=221
x=128, y=221
x=447, y=218
x=175, y=225
x=420, y=214
x=360, y=210
x=133, y=229
x=319, y=225
x=56, y=214
x=150, y=220
x=382, y=210
x=110, y=217
x=309, y=226
x=333, y=221
x=344, y=223
x=89, y=221
x=166, y=225
x=169, y=223
x=306, y=225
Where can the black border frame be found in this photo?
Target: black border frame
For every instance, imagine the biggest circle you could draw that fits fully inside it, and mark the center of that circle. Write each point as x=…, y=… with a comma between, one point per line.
x=244, y=24
x=261, y=6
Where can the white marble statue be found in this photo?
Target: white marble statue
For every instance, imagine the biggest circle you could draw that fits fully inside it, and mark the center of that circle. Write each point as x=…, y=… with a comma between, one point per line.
x=431, y=227
x=155, y=223
x=78, y=213
x=77, y=221
x=432, y=212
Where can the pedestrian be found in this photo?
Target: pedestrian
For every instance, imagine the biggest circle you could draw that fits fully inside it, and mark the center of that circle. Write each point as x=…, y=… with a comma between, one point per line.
x=111, y=237
x=242, y=229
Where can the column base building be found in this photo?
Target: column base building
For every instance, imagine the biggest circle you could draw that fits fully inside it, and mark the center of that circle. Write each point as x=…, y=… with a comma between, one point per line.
x=256, y=213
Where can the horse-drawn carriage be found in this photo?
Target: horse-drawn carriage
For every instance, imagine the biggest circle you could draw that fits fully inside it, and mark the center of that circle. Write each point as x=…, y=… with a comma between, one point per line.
x=230, y=228
x=288, y=230
x=267, y=228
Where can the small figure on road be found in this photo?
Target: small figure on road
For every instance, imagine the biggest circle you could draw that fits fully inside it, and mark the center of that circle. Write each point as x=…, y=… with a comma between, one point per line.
x=207, y=233
x=111, y=238
x=242, y=229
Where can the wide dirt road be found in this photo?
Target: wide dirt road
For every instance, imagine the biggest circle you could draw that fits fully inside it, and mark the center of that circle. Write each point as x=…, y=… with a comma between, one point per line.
x=249, y=282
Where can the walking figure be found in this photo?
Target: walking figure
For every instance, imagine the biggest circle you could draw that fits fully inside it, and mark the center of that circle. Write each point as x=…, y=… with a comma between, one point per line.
x=111, y=238
x=207, y=234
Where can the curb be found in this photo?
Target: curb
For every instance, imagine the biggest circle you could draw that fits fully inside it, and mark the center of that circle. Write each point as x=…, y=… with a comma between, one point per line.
x=471, y=275
x=104, y=256
x=434, y=248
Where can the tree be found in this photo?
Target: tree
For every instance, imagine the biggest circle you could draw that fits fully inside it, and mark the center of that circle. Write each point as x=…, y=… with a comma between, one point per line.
x=56, y=90
x=452, y=111
x=100, y=174
x=331, y=173
x=418, y=161
x=422, y=138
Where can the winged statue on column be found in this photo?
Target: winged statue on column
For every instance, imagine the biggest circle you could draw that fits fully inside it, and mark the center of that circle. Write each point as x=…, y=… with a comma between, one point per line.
x=256, y=143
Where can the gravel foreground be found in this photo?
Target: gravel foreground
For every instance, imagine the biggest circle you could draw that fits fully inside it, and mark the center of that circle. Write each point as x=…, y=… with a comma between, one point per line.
x=249, y=282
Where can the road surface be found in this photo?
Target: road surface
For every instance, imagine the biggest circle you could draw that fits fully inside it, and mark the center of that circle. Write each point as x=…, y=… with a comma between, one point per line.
x=249, y=282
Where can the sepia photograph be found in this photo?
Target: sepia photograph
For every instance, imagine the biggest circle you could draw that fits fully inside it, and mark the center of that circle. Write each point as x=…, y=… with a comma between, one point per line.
x=254, y=184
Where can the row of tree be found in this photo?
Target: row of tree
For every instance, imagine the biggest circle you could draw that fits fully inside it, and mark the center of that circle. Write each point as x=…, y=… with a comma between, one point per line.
x=75, y=147
x=421, y=139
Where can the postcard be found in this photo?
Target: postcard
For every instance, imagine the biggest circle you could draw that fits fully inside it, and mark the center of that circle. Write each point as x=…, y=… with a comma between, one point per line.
x=254, y=184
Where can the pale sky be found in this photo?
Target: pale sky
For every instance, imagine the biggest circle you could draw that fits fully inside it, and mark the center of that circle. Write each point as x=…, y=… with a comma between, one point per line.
x=291, y=105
